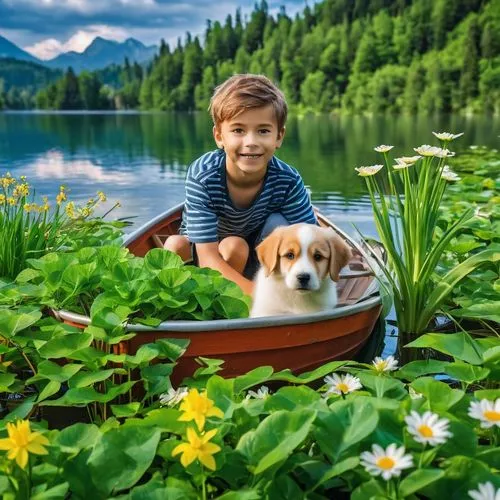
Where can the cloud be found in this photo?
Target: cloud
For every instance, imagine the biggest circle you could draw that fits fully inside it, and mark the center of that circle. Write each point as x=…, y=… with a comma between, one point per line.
x=43, y=25
x=50, y=47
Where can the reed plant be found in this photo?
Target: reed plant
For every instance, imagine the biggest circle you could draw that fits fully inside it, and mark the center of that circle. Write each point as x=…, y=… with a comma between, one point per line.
x=29, y=229
x=406, y=204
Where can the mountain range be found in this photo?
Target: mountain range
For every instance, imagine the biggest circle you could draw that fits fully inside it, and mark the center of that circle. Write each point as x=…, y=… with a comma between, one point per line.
x=99, y=54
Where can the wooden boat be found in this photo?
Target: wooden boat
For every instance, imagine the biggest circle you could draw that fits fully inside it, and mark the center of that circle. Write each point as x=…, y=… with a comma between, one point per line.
x=300, y=343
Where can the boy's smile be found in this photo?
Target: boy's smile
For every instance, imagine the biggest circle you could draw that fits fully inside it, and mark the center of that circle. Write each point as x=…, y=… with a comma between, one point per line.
x=249, y=140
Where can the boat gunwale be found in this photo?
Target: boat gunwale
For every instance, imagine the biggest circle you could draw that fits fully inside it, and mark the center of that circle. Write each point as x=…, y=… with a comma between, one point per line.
x=236, y=324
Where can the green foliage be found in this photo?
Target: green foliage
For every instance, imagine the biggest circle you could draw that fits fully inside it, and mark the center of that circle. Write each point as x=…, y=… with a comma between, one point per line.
x=407, y=208
x=421, y=56
x=30, y=230
x=296, y=440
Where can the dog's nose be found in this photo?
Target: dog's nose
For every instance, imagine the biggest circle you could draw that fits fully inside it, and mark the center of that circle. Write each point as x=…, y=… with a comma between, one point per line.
x=303, y=279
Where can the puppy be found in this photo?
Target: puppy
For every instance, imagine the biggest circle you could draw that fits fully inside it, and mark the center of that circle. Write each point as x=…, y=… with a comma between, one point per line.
x=299, y=267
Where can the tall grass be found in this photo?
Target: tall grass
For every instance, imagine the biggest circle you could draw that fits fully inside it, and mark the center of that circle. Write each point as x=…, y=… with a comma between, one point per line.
x=28, y=229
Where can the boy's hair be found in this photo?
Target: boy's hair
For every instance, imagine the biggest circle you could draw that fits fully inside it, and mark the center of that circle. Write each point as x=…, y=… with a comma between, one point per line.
x=242, y=92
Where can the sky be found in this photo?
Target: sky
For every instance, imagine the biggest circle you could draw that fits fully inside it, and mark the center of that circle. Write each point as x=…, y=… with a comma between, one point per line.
x=45, y=28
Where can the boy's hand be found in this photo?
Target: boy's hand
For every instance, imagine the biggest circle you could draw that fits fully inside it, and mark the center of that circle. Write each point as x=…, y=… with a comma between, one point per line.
x=209, y=256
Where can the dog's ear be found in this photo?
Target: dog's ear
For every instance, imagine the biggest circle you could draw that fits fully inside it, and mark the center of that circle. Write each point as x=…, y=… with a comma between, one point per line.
x=267, y=251
x=340, y=254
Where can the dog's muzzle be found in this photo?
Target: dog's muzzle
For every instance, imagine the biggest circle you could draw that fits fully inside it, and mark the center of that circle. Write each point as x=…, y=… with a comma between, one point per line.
x=303, y=280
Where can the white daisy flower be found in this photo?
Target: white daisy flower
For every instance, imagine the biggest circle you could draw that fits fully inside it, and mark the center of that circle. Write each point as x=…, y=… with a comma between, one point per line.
x=386, y=463
x=262, y=393
x=486, y=411
x=486, y=491
x=383, y=148
x=426, y=150
x=448, y=175
x=367, y=171
x=428, y=428
x=174, y=396
x=341, y=385
x=474, y=146
x=447, y=136
x=388, y=364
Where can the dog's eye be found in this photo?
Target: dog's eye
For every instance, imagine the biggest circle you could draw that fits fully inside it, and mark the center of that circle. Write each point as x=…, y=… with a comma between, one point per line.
x=290, y=256
x=317, y=257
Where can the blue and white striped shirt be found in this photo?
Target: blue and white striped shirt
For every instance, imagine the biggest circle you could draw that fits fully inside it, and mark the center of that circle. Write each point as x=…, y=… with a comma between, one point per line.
x=210, y=215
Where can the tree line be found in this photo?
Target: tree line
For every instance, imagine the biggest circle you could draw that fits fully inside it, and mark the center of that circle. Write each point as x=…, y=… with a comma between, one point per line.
x=337, y=56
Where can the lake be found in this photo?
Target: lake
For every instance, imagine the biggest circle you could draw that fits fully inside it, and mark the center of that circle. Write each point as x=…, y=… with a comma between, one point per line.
x=140, y=159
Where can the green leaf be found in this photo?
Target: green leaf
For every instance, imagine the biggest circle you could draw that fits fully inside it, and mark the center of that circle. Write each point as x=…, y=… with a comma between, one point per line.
x=156, y=378
x=487, y=311
x=64, y=346
x=12, y=322
x=458, y=345
x=440, y=396
x=49, y=390
x=466, y=372
x=57, y=373
x=241, y=495
x=369, y=491
x=56, y=492
x=382, y=386
x=349, y=422
x=86, y=395
x=76, y=437
x=419, y=479
x=126, y=410
x=221, y=392
x=122, y=456
x=173, y=349
x=308, y=377
x=275, y=438
x=84, y=379
x=254, y=377
x=6, y=380
x=338, y=469
x=419, y=368
x=158, y=259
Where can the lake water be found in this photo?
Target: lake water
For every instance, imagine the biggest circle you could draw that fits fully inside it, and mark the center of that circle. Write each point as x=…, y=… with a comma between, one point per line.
x=140, y=159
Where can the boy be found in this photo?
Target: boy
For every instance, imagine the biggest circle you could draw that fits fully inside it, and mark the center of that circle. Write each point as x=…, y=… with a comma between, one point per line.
x=237, y=195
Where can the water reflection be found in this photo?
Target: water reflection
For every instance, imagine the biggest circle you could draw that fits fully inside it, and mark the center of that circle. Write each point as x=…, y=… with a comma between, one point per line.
x=141, y=159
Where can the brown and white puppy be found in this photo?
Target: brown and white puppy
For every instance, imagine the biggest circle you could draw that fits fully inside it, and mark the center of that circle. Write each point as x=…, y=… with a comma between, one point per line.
x=299, y=267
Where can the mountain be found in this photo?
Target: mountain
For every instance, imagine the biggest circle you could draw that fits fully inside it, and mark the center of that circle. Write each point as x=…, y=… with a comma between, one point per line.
x=8, y=49
x=101, y=53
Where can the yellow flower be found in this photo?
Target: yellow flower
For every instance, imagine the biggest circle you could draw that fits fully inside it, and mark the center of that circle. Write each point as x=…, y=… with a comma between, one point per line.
x=198, y=447
x=21, y=190
x=11, y=201
x=197, y=407
x=7, y=180
x=101, y=196
x=2, y=199
x=22, y=441
x=61, y=197
x=70, y=210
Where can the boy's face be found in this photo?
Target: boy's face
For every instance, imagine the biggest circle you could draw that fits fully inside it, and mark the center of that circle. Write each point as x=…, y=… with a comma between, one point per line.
x=249, y=140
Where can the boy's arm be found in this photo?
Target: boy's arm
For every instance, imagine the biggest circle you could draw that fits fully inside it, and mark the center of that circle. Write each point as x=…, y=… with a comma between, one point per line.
x=209, y=256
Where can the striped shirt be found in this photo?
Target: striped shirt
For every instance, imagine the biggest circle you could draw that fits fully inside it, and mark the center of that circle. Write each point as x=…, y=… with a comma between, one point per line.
x=210, y=215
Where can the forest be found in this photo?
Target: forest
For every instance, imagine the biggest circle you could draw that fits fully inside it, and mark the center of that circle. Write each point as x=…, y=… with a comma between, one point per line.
x=338, y=56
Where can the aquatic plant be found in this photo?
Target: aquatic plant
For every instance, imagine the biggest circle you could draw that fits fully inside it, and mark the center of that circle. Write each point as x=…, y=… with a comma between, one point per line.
x=406, y=203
